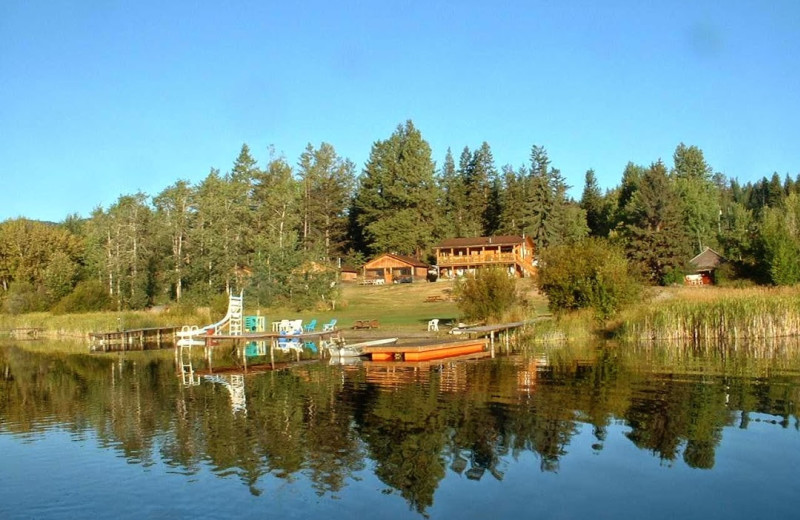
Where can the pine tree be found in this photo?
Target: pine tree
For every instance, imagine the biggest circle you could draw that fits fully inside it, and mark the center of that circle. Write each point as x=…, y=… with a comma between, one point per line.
x=699, y=195
x=548, y=221
x=327, y=183
x=631, y=179
x=593, y=204
x=657, y=240
x=512, y=200
x=478, y=180
x=396, y=198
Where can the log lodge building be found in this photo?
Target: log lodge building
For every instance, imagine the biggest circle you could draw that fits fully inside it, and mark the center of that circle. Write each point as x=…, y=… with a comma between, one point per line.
x=455, y=257
x=459, y=256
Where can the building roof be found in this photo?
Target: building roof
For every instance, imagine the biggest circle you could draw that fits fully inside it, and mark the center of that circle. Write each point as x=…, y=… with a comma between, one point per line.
x=400, y=258
x=708, y=259
x=503, y=240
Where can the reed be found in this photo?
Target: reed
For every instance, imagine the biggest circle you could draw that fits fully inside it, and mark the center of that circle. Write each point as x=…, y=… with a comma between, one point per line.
x=725, y=316
x=579, y=325
x=79, y=325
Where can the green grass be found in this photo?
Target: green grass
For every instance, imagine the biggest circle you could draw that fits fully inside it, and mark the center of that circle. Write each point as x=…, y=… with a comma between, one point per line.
x=399, y=309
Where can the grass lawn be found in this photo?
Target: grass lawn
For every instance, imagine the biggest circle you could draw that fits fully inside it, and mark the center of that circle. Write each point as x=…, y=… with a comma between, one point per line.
x=396, y=307
x=399, y=309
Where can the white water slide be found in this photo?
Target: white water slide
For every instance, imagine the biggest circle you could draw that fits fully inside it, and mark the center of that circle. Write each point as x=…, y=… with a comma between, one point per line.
x=190, y=336
x=233, y=319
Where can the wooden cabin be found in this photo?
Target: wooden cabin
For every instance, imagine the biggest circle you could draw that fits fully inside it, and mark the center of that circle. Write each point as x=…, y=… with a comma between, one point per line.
x=459, y=256
x=348, y=274
x=704, y=266
x=391, y=268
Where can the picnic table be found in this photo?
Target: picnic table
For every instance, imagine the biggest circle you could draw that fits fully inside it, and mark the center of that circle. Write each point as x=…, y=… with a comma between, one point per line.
x=434, y=298
x=366, y=324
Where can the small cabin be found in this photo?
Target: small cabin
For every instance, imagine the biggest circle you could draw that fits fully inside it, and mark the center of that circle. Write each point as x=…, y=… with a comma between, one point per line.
x=460, y=256
x=390, y=268
x=348, y=273
x=704, y=266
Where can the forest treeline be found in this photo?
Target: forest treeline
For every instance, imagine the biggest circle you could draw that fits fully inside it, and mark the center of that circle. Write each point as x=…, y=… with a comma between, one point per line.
x=279, y=230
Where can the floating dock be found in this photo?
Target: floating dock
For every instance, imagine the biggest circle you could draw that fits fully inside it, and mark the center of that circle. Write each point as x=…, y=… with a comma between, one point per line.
x=427, y=351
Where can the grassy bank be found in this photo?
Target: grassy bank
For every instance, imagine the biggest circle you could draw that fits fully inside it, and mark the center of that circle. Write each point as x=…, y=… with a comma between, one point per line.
x=712, y=314
x=79, y=325
x=399, y=309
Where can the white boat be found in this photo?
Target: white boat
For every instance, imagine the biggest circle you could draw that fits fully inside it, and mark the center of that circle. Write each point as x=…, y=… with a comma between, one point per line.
x=342, y=349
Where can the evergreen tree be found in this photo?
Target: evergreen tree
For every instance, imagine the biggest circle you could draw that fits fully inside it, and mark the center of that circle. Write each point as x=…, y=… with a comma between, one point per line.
x=657, y=242
x=631, y=178
x=494, y=210
x=396, y=197
x=592, y=203
x=239, y=222
x=453, y=198
x=548, y=221
x=479, y=177
x=699, y=195
x=327, y=183
x=467, y=223
x=512, y=201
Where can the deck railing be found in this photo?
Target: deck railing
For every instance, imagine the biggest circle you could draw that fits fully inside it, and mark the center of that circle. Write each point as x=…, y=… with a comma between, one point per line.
x=483, y=259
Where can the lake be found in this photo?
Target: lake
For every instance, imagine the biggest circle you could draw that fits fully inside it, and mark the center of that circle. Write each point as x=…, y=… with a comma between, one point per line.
x=559, y=431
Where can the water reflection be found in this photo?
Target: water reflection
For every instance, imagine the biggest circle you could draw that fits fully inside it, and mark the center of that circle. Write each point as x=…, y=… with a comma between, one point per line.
x=410, y=425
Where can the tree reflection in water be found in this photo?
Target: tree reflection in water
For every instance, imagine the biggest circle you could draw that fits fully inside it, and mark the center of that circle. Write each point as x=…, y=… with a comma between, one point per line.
x=411, y=425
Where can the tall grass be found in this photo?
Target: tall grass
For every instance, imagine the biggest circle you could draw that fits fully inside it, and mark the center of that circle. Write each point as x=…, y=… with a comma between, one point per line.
x=580, y=325
x=79, y=325
x=721, y=315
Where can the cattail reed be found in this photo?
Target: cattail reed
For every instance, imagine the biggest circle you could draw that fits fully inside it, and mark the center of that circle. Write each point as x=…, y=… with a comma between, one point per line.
x=731, y=317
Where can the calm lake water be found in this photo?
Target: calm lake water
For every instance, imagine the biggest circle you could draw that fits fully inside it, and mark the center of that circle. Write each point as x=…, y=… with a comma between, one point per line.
x=556, y=432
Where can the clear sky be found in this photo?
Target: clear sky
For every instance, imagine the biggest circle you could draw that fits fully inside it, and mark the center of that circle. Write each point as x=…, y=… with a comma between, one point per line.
x=104, y=98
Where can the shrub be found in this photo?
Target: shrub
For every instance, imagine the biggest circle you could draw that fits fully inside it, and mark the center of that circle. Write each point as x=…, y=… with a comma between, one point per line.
x=88, y=296
x=487, y=295
x=591, y=274
x=23, y=297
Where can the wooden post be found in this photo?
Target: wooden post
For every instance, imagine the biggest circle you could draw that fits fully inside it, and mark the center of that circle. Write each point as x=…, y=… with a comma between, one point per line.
x=272, y=353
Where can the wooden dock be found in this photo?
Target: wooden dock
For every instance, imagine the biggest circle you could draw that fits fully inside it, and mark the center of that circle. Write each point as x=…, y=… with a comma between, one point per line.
x=133, y=339
x=427, y=351
x=262, y=336
x=504, y=329
x=24, y=332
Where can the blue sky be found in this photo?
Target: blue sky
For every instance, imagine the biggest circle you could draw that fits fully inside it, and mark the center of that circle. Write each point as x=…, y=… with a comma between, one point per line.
x=101, y=98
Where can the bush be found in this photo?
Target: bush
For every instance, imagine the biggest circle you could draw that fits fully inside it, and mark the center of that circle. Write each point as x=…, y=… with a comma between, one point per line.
x=23, y=297
x=487, y=295
x=591, y=274
x=88, y=296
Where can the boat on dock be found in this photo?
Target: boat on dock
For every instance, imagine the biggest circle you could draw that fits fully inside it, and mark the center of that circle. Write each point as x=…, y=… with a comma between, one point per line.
x=342, y=349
